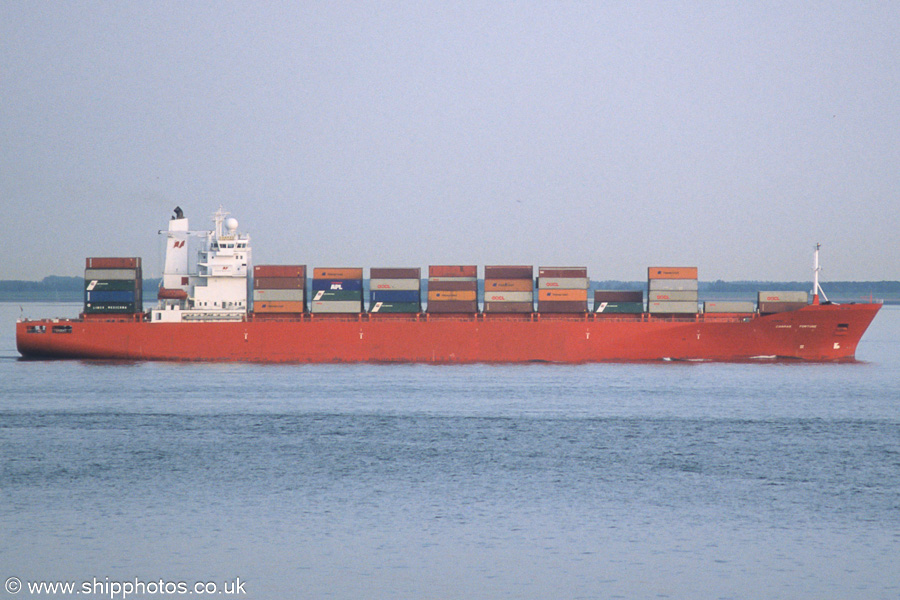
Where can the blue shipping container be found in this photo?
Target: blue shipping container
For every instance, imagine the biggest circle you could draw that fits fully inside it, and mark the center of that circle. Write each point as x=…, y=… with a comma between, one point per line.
x=394, y=296
x=109, y=296
x=347, y=285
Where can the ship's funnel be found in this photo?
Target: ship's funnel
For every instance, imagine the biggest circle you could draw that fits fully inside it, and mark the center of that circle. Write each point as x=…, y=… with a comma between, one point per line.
x=175, y=274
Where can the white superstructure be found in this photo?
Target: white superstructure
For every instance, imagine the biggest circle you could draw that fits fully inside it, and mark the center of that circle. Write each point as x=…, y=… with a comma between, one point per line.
x=205, y=276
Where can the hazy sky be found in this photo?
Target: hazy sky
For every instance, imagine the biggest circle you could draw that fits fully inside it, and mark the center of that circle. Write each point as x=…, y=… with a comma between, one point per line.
x=728, y=135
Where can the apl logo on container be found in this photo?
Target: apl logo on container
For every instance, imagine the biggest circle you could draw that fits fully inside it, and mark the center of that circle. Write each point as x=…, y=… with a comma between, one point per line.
x=337, y=285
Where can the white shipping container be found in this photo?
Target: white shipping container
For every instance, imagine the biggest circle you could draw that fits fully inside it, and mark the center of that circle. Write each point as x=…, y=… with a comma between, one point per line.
x=112, y=274
x=394, y=284
x=672, y=307
x=729, y=307
x=672, y=296
x=563, y=283
x=278, y=295
x=783, y=297
x=336, y=306
x=672, y=285
x=509, y=296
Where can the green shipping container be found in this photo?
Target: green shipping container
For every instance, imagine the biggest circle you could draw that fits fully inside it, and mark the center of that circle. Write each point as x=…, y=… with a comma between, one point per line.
x=395, y=307
x=337, y=295
x=110, y=285
x=619, y=307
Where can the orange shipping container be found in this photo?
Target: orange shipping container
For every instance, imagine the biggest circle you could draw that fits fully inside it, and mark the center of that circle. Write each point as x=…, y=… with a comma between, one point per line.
x=277, y=307
x=279, y=271
x=672, y=273
x=337, y=273
x=453, y=271
x=508, y=285
x=567, y=295
x=452, y=295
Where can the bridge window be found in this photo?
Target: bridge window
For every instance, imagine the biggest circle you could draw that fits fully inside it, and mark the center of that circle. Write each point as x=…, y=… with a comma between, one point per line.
x=62, y=329
x=36, y=329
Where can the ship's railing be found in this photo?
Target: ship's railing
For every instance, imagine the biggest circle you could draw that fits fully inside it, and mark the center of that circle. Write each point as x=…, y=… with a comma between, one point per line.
x=509, y=317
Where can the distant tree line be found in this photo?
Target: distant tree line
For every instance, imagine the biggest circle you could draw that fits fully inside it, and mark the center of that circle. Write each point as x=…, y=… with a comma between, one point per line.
x=56, y=288
x=838, y=287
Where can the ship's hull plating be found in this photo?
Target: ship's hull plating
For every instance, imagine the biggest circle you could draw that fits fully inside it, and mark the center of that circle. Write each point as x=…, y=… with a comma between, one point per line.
x=827, y=332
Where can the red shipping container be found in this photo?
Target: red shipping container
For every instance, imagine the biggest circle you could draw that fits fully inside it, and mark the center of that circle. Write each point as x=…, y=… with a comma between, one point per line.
x=508, y=307
x=618, y=296
x=392, y=273
x=509, y=272
x=554, y=272
x=110, y=262
x=777, y=307
x=452, y=286
x=453, y=306
x=508, y=285
x=279, y=283
x=561, y=306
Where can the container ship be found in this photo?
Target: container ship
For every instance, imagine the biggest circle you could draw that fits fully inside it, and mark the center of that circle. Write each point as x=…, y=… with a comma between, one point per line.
x=214, y=305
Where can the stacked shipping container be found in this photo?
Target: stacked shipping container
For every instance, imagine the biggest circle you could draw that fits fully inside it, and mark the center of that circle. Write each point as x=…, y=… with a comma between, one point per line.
x=562, y=289
x=618, y=301
x=509, y=289
x=728, y=306
x=279, y=289
x=113, y=285
x=453, y=289
x=337, y=290
x=395, y=290
x=672, y=290
x=774, y=302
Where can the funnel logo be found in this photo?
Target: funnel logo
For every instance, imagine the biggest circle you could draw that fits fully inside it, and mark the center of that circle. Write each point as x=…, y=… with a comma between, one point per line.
x=179, y=244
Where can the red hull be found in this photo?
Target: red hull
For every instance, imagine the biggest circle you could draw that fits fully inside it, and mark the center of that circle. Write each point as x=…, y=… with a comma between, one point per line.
x=828, y=332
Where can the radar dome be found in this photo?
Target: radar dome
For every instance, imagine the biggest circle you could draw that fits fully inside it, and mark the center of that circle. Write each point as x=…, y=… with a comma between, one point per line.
x=231, y=223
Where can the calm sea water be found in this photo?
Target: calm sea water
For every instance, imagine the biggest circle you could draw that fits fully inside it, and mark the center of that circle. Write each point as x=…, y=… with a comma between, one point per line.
x=420, y=482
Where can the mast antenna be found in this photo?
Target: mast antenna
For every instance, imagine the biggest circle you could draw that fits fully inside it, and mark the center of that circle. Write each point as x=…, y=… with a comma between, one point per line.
x=817, y=289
